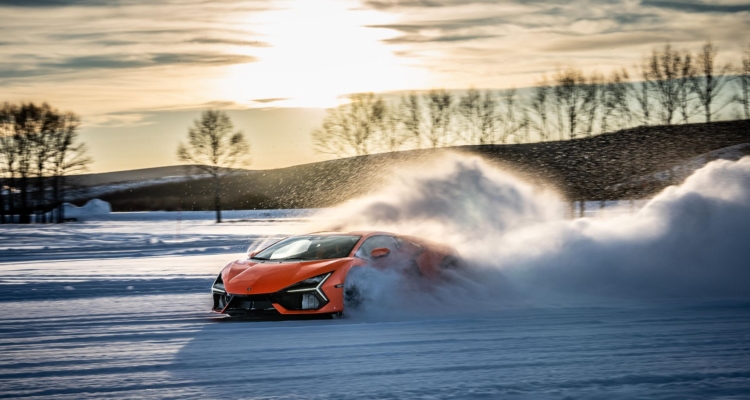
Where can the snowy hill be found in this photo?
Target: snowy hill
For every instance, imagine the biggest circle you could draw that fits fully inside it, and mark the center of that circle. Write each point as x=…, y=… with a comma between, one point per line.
x=611, y=166
x=144, y=174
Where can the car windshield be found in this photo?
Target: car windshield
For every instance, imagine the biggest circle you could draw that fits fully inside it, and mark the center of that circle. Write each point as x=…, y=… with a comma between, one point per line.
x=309, y=247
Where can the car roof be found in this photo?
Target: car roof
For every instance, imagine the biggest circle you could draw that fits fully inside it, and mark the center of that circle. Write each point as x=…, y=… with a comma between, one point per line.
x=352, y=233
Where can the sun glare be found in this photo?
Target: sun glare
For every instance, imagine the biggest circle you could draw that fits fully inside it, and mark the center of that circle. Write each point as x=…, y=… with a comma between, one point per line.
x=319, y=51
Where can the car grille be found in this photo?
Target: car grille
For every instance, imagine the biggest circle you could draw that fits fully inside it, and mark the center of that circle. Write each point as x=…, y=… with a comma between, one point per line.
x=236, y=304
x=256, y=303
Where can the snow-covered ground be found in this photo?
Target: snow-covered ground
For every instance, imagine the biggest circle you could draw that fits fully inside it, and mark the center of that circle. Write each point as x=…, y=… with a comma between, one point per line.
x=117, y=307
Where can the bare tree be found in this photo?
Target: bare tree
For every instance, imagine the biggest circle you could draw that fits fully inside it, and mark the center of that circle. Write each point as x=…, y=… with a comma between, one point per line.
x=688, y=108
x=512, y=116
x=38, y=142
x=8, y=158
x=391, y=135
x=4, y=187
x=351, y=128
x=641, y=92
x=24, y=122
x=743, y=83
x=591, y=103
x=523, y=135
x=68, y=157
x=711, y=79
x=412, y=117
x=215, y=148
x=479, y=116
x=21, y=122
x=664, y=70
x=41, y=153
x=540, y=109
x=569, y=99
x=440, y=115
x=615, y=104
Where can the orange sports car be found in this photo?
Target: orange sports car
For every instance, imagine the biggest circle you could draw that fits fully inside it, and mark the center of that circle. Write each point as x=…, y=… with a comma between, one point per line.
x=306, y=274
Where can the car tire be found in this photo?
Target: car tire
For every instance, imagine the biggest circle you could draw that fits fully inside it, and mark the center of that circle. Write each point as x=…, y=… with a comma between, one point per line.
x=451, y=263
x=352, y=297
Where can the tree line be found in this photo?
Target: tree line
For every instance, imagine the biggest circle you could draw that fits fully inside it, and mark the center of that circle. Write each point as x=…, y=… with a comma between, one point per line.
x=666, y=87
x=38, y=149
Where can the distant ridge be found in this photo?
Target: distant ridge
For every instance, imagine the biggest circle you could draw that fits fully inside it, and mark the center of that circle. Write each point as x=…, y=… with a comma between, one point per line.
x=610, y=166
x=104, y=178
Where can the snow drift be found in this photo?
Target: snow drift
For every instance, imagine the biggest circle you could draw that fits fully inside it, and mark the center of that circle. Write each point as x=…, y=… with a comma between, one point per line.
x=93, y=208
x=689, y=241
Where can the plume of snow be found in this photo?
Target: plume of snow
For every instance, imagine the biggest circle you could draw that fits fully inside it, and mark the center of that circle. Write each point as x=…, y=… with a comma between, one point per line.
x=692, y=240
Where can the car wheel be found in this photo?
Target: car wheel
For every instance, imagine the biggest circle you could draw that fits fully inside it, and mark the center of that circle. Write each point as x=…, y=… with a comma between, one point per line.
x=338, y=315
x=451, y=263
x=352, y=297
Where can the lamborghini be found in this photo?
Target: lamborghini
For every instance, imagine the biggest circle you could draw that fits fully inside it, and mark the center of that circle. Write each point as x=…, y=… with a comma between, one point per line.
x=306, y=274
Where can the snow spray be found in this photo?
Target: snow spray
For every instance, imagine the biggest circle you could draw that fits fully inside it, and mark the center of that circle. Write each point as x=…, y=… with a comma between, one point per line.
x=691, y=240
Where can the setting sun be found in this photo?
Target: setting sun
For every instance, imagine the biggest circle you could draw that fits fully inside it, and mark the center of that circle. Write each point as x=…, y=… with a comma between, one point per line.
x=316, y=53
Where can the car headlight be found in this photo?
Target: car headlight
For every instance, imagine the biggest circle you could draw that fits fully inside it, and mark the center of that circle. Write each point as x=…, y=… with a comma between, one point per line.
x=218, y=286
x=315, y=280
x=310, y=289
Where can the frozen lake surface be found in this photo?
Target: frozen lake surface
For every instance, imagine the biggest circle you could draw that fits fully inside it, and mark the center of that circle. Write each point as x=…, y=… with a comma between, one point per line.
x=119, y=309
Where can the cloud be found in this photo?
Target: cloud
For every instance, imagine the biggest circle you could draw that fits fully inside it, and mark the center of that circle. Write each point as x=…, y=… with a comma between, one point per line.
x=697, y=7
x=151, y=112
x=58, y=3
x=100, y=62
x=110, y=3
x=119, y=119
x=116, y=33
x=270, y=100
x=234, y=42
x=449, y=24
x=166, y=36
x=114, y=62
x=202, y=58
x=435, y=4
x=545, y=18
x=448, y=30
x=448, y=38
x=118, y=61
x=10, y=72
x=628, y=18
x=386, y=4
x=608, y=41
x=114, y=42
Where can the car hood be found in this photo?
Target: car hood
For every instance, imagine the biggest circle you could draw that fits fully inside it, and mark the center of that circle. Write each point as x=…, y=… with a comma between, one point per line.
x=251, y=277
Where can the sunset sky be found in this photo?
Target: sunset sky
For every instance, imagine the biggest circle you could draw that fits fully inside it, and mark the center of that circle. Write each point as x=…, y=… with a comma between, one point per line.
x=139, y=71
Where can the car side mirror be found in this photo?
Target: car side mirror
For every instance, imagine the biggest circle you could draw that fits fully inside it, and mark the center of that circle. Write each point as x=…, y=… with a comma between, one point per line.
x=252, y=254
x=380, y=252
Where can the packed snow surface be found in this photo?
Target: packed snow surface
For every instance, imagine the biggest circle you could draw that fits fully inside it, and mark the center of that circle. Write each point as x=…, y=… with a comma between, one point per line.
x=648, y=303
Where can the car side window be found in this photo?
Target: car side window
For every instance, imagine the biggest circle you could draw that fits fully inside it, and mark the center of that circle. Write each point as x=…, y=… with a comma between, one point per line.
x=375, y=242
x=408, y=247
